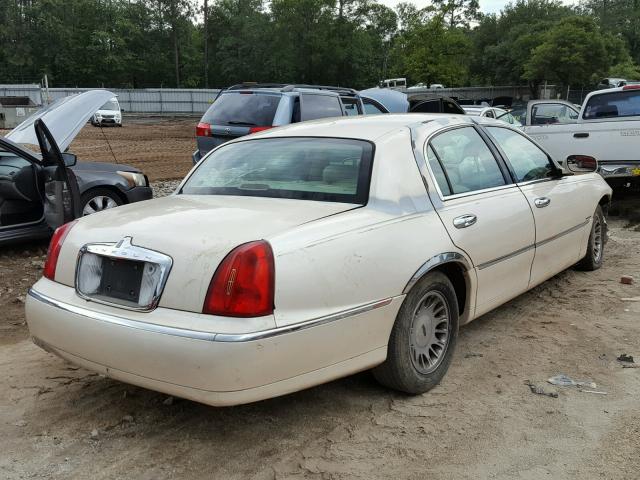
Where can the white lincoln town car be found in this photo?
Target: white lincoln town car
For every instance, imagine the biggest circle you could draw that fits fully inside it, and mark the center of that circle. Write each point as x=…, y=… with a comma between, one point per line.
x=306, y=253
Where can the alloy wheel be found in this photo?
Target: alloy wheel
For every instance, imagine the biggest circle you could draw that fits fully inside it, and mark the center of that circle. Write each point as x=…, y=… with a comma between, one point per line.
x=97, y=204
x=430, y=332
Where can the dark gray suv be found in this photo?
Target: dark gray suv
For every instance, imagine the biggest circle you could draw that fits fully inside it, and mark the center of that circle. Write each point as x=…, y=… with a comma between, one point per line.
x=248, y=108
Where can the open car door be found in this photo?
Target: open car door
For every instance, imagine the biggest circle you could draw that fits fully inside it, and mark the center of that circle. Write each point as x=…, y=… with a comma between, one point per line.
x=61, y=193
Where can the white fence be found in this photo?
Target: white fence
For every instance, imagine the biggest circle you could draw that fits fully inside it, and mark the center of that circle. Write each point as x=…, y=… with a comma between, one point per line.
x=159, y=101
x=153, y=100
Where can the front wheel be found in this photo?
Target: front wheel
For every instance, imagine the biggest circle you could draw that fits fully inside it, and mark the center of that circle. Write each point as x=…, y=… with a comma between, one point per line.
x=595, y=248
x=99, y=199
x=423, y=337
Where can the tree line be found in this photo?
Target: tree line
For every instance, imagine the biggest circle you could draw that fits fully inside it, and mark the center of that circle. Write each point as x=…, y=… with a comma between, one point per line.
x=161, y=43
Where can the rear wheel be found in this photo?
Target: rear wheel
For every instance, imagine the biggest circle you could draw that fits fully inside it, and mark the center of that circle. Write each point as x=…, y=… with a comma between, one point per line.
x=423, y=338
x=99, y=199
x=595, y=248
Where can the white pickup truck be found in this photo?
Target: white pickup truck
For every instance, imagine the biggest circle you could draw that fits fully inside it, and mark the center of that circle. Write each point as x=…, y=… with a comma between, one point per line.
x=607, y=127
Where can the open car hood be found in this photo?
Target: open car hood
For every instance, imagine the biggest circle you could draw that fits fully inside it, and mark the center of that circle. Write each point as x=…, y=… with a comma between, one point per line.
x=65, y=118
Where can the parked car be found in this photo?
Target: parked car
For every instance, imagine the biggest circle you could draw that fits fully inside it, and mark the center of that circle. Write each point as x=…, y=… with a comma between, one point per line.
x=607, y=127
x=483, y=111
x=392, y=101
x=436, y=86
x=108, y=114
x=610, y=83
x=400, y=83
x=32, y=198
x=306, y=253
x=248, y=108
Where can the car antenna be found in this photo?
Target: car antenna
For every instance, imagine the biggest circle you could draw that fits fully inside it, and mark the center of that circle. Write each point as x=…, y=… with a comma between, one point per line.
x=107, y=139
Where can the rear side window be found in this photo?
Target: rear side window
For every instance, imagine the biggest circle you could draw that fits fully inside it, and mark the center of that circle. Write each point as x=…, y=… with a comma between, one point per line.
x=324, y=169
x=526, y=159
x=351, y=106
x=553, y=113
x=613, y=105
x=466, y=161
x=250, y=109
x=372, y=108
x=319, y=106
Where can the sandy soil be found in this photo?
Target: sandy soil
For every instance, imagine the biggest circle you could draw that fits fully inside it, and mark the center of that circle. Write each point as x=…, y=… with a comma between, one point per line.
x=59, y=421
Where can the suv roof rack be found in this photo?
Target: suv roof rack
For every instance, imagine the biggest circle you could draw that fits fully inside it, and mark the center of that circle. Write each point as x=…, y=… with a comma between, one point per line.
x=287, y=87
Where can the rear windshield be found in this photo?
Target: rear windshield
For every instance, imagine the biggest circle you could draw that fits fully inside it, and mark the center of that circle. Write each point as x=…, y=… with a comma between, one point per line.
x=324, y=169
x=243, y=109
x=613, y=105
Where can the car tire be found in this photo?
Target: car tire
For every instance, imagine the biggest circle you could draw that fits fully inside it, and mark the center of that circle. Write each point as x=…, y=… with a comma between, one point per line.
x=98, y=199
x=597, y=240
x=416, y=359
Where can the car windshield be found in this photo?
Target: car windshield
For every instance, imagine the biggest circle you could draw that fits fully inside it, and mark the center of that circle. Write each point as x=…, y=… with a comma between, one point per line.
x=324, y=169
x=613, y=105
x=243, y=108
x=110, y=105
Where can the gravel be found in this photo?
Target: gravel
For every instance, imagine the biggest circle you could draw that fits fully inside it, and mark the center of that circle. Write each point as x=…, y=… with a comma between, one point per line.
x=164, y=188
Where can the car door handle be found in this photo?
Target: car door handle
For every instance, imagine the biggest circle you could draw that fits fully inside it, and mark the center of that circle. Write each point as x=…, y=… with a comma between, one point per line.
x=542, y=202
x=464, y=221
x=580, y=135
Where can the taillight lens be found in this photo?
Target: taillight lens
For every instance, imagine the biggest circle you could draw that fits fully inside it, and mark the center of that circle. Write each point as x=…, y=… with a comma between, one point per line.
x=243, y=285
x=631, y=87
x=258, y=129
x=55, y=246
x=203, y=130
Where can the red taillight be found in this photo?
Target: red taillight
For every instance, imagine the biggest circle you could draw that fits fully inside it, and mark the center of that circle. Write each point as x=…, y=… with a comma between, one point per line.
x=631, y=87
x=203, y=130
x=243, y=285
x=54, y=249
x=258, y=129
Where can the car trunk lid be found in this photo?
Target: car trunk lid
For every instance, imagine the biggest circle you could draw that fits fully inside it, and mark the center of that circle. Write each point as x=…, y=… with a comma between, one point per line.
x=196, y=231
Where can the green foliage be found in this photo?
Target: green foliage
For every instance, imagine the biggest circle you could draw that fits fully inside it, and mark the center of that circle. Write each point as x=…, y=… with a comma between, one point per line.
x=153, y=43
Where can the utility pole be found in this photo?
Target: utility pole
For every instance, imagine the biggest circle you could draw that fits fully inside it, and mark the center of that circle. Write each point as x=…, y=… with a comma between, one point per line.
x=206, y=45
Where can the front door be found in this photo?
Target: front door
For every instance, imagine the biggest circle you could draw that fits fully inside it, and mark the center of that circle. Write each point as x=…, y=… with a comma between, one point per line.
x=61, y=193
x=562, y=214
x=484, y=212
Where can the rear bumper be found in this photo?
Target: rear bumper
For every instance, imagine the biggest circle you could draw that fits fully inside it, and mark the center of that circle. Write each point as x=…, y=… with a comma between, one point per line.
x=217, y=369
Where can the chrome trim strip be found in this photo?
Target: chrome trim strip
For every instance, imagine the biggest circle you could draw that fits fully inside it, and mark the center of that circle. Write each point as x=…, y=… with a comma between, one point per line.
x=536, y=245
x=207, y=336
x=505, y=257
x=433, y=262
x=561, y=234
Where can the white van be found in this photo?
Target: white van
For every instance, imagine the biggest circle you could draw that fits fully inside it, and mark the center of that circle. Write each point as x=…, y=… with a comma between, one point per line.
x=108, y=114
x=394, y=83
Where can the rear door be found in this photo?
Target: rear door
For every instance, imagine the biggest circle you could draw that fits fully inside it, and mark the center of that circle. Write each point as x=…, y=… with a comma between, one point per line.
x=61, y=193
x=484, y=212
x=560, y=207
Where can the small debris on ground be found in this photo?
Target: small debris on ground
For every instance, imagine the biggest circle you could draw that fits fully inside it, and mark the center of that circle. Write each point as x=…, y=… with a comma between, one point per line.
x=539, y=390
x=625, y=358
x=566, y=381
x=631, y=299
x=94, y=433
x=20, y=423
x=168, y=401
x=471, y=355
x=630, y=365
x=127, y=419
x=594, y=391
x=626, y=279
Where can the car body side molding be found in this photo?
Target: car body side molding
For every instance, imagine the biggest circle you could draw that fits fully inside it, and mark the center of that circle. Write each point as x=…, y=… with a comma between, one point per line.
x=433, y=262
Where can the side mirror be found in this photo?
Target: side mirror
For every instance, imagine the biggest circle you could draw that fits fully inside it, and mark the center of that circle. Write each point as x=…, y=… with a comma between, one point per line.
x=582, y=164
x=70, y=159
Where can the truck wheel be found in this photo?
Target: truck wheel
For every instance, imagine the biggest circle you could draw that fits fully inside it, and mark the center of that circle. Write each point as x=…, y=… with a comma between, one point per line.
x=98, y=199
x=423, y=337
x=595, y=247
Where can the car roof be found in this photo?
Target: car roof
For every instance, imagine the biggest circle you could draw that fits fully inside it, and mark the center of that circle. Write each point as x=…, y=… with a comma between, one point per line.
x=290, y=87
x=365, y=127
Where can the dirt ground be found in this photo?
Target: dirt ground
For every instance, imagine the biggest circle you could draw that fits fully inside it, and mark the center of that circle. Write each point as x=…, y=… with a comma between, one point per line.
x=160, y=147
x=59, y=421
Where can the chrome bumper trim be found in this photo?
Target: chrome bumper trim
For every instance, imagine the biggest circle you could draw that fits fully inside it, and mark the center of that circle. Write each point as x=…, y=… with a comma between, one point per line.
x=618, y=170
x=207, y=336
